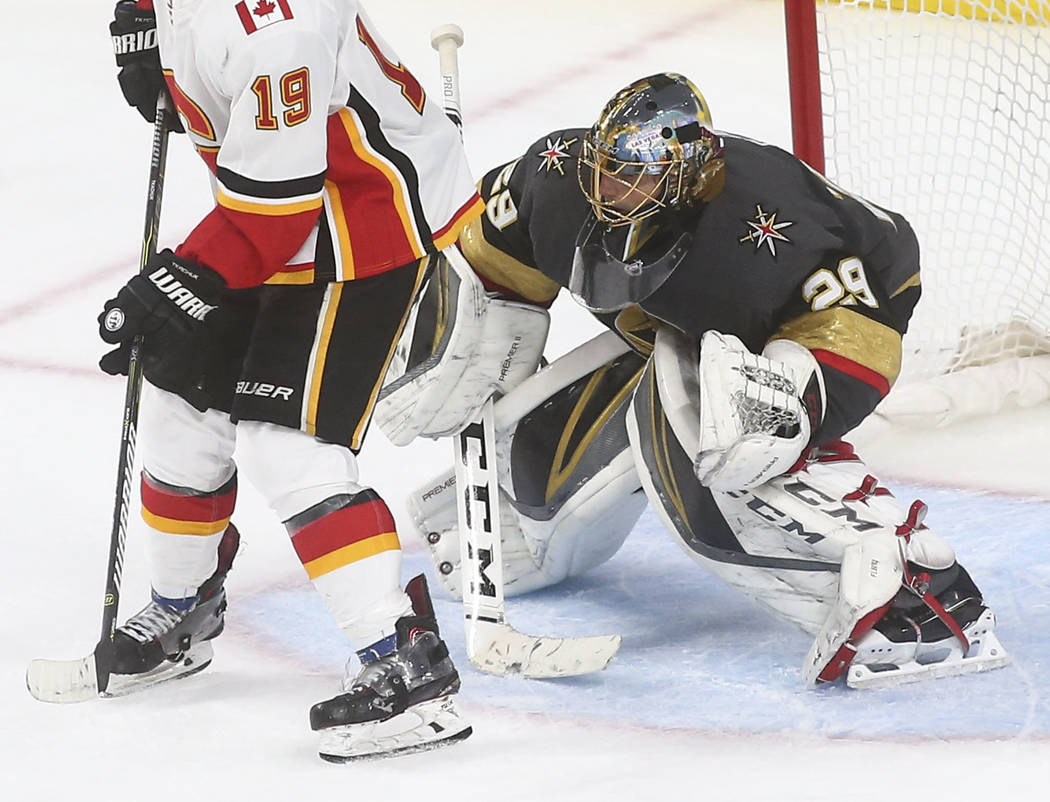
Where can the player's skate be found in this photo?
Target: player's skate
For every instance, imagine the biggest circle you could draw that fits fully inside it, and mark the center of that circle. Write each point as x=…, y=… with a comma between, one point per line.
x=162, y=642
x=400, y=702
x=913, y=642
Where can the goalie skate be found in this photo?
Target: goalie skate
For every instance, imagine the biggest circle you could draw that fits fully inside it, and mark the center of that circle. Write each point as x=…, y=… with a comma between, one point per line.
x=881, y=663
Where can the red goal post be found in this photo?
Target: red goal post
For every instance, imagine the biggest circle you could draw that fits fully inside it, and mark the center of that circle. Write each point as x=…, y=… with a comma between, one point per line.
x=940, y=109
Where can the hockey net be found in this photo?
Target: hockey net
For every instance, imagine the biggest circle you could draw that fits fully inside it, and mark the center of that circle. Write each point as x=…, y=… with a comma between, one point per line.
x=940, y=109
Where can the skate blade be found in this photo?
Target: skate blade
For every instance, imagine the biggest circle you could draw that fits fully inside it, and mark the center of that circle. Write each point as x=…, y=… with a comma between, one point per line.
x=198, y=658
x=68, y=681
x=986, y=654
x=423, y=727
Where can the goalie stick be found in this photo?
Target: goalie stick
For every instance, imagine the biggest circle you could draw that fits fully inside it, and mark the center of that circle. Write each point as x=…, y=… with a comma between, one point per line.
x=88, y=677
x=493, y=645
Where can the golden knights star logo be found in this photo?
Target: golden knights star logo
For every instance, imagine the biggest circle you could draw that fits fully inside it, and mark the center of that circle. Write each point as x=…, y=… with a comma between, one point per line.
x=556, y=152
x=765, y=230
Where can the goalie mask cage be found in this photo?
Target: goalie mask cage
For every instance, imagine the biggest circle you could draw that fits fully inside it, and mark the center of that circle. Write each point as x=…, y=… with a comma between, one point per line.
x=940, y=109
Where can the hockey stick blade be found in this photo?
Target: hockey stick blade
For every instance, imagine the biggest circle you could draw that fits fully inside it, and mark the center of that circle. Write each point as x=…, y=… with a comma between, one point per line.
x=63, y=680
x=498, y=648
x=67, y=681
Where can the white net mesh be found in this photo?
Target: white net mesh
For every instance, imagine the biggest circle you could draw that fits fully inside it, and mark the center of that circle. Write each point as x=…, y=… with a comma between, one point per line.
x=941, y=110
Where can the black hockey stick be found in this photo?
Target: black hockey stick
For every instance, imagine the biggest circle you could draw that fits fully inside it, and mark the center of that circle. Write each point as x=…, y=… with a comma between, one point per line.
x=86, y=678
x=493, y=645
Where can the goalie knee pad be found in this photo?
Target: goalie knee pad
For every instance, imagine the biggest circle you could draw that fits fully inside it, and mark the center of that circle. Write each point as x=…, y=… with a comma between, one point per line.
x=569, y=491
x=459, y=348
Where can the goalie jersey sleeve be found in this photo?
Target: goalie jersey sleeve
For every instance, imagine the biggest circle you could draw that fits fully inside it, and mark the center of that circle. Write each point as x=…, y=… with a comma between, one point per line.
x=329, y=161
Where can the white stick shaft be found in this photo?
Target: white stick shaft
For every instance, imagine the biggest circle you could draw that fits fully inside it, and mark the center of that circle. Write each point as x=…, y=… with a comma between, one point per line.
x=481, y=548
x=446, y=40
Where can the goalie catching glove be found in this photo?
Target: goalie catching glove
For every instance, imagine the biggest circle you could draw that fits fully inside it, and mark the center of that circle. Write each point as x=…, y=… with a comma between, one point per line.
x=757, y=413
x=460, y=348
x=166, y=304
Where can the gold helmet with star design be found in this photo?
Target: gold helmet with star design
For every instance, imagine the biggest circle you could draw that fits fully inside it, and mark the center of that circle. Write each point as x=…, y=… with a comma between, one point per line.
x=652, y=149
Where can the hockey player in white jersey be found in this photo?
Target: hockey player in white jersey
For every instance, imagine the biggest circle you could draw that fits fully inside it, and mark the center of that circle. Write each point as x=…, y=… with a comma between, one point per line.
x=271, y=327
x=755, y=314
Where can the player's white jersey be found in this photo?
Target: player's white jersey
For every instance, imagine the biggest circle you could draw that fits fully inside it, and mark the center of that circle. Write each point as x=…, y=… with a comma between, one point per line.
x=331, y=162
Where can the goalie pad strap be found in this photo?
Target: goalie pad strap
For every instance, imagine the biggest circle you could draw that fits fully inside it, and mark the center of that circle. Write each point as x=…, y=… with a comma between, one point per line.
x=847, y=651
x=919, y=584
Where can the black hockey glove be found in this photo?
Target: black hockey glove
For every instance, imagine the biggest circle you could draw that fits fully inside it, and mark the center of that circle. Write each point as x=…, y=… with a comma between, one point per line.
x=166, y=304
x=134, y=32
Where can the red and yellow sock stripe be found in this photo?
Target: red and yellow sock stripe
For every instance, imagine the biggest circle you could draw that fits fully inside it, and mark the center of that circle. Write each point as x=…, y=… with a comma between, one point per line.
x=177, y=511
x=349, y=534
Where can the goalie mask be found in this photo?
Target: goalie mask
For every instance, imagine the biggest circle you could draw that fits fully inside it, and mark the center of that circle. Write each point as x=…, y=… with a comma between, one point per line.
x=651, y=157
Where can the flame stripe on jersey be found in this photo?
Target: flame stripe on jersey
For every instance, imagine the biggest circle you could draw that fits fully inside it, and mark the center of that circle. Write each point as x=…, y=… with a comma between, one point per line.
x=384, y=197
x=197, y=121
x=269, y=198
x=361, y=529
x=178, y=511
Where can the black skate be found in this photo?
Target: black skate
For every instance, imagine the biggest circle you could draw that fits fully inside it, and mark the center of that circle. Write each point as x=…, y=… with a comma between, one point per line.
x=160, y=643
x=914, y=642
x=401, y=702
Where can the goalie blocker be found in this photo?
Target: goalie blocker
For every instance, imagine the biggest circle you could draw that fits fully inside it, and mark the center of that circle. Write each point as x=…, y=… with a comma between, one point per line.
x=818, y=542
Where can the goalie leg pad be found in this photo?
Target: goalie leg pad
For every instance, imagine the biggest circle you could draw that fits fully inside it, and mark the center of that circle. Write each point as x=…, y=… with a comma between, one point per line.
x=827, y=547
x=565, y=509
x=459, y=348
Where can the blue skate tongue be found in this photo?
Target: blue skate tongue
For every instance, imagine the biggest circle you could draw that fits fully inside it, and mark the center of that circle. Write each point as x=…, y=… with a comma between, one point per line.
x=175, y=605
x=380, y=648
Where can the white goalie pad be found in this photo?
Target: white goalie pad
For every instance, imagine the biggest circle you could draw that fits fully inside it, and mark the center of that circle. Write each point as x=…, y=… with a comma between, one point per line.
x=824, y=547
x=476, y=348
x=578, y=531
x=741, y=416
x=586, y=531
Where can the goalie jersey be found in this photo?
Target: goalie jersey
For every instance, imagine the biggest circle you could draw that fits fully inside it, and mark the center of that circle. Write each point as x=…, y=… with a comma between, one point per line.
x=779, y=252
x=329, y=161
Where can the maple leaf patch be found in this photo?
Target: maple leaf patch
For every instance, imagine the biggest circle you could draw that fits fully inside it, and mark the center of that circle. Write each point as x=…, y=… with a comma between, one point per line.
x=263, y=14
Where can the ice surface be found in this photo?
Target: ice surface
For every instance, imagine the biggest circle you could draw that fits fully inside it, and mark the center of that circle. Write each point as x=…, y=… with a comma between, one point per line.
x=703, y=701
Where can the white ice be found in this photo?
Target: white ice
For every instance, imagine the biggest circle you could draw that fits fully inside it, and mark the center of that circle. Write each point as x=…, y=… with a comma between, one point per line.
x=704, y=700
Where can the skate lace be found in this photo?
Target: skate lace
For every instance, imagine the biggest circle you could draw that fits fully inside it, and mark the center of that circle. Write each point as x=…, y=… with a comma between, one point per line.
x=151, y=622
x=375, y=675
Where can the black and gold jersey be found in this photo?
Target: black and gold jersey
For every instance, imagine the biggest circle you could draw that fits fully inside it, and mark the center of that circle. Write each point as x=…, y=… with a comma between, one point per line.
x=779, y=252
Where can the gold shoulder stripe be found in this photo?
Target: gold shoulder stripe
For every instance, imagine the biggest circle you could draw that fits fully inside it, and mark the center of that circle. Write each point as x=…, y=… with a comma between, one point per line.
x=504, y=269
x=848, y=334
x=913, y=281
